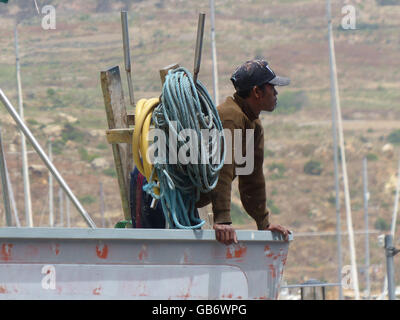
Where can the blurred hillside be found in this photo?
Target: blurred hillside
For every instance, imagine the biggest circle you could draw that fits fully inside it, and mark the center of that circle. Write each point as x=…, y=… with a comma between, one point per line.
x=63, y=101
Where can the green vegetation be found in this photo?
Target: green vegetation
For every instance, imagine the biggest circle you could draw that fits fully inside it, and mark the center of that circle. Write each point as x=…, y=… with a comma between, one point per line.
x=85, y=156
x=268, y=153
x=372, y=157
x=110, y=172
x=381, y=224
x=238, y=216
x=72, y=133
x=88, y=199
x=55, y=99
x=313, y=167
x=272, y=207
x=277, y=169
x=332, y=200
x=394, y=137
x=291, y=102
x=57, y=147
x=102, y=146
x=32, y=122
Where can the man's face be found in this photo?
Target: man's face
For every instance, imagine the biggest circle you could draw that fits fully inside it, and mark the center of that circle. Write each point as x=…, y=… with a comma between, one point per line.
x=269, y=98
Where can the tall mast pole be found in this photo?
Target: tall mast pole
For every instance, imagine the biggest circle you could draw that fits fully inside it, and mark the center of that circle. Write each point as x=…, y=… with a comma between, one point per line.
x=25, y=172
x=102, y=206
x=214, y=54
x=68, y=211
x=51, y=190
x=6, y=195
x=396, y=203
x=61, y=206
x=336, y=104
x=366, y=198
x=12, y=198
x=392, y=228
x=25, y=130
x=336, y=171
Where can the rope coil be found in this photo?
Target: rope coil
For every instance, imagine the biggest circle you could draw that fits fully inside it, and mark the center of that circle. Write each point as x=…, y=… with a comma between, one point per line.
x=184, y=107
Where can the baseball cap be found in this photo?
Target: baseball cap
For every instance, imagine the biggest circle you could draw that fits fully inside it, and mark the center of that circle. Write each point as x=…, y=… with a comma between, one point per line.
x=254, y=73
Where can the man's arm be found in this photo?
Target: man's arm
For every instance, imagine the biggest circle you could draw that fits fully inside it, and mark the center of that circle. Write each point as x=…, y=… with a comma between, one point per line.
x=221, y=197
x=252, y=186
x=253, y=193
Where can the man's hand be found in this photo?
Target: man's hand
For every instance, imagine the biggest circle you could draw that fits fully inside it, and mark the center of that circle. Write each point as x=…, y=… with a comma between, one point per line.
x=279, y=228
x=225, y=233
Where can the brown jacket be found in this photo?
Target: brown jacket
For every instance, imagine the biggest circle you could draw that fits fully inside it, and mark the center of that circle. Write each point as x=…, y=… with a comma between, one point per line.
x=235, y=114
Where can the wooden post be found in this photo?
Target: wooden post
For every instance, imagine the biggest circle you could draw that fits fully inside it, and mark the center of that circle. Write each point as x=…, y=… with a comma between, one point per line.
x=164, y=71
x=117, y=119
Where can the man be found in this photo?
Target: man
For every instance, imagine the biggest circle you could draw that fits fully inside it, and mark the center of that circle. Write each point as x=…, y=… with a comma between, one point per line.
x=255, y=83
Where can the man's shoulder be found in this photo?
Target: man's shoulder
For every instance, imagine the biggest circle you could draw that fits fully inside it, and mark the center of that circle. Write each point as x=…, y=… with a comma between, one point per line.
x=229, y=110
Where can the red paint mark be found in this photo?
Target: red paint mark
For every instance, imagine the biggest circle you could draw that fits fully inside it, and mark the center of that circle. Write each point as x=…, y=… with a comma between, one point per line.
x=6, y=251
x=230, y=296
x=267, y=251
x=187, y=295
x=272, y=269
x=238, y=252
x=284, y=258
x=97, y=291
x=239, y=297
x=56, y=249
x=3, y=289
x=143, y=253
x=102, y=251
x=276, y=257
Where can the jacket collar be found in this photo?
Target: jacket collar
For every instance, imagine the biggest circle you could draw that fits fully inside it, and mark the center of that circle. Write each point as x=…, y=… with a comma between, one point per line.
x=245, y=107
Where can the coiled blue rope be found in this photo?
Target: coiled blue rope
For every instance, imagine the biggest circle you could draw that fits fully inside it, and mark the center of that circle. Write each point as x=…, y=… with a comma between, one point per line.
x=185, y=105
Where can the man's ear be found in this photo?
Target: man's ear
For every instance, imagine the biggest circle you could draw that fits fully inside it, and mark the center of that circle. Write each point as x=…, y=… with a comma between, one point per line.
x=256, y=91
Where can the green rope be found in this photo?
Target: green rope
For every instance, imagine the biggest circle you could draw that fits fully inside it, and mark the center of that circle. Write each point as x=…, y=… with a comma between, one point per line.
x=122, y=224
x=185, y=105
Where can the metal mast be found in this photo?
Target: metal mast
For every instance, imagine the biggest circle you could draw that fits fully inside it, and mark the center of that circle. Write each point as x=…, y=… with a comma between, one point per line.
x=6, y=195
x=214, y=54
x=51, y=197
x=336, y=104
x=21, y=125
x=25, y=172
x=366, y=198
x=336, y=171
x=102, y=206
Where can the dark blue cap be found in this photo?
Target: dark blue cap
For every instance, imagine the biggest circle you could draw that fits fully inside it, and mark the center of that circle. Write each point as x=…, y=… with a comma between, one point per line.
x=254, y=73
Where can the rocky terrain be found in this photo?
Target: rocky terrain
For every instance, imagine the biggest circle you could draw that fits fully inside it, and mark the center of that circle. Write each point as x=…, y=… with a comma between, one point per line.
x=63, y=102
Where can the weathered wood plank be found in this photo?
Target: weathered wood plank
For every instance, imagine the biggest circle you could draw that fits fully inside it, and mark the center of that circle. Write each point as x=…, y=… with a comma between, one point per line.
x=164, y=71
x=117, y=119
x=119, y=135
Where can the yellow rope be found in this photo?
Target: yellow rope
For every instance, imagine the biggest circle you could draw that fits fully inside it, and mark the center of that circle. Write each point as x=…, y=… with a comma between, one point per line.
x=140, y=143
